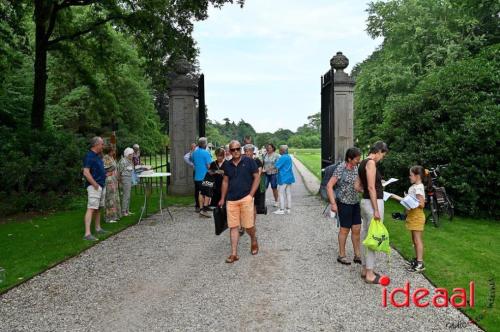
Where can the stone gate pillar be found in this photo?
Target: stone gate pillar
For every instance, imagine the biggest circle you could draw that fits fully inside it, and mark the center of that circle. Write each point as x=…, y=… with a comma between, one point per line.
x=183, y=126
x=343, y=99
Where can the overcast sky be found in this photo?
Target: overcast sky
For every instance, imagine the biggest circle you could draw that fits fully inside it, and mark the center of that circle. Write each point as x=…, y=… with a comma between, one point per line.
x=263, y=62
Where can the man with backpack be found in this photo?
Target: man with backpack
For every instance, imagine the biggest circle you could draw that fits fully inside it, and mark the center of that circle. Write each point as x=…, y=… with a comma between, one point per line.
x=344, y=201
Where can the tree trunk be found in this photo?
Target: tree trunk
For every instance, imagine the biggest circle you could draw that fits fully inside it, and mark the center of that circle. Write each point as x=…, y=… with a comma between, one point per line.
x=40, y=67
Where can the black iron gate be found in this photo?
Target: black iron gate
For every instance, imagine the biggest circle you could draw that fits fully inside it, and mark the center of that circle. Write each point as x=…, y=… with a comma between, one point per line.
x=202, y=110
x=327, y=120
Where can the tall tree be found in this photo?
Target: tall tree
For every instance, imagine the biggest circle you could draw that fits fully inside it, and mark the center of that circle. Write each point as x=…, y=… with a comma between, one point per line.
x=158, y=24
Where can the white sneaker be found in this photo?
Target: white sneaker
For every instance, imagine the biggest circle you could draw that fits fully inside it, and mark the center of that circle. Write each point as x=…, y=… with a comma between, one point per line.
x=276, y=204
x=280, y=211
x=288, y=211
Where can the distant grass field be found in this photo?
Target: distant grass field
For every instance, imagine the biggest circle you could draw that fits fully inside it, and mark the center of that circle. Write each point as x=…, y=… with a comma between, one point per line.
x=311, y=158
x=456, y=253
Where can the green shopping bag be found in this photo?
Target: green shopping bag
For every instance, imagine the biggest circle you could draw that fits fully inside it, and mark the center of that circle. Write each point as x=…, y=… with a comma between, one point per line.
x=377, y=238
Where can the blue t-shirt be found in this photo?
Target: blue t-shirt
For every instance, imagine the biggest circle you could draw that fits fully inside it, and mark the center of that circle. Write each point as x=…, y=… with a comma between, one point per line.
x=285, y=170
x=201, y=160
x=95, y=163
x=240, y=177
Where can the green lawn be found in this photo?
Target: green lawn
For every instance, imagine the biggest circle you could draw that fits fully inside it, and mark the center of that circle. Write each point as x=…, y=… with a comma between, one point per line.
x=30, y=246
x=456, y=253
x=311, y=158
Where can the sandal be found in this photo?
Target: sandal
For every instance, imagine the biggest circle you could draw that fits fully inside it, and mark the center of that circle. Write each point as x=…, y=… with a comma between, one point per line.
x=357, y=260
x=254, y=248
x=231, y=259
x=375, y=281
x=363, y=276
x=343, y=260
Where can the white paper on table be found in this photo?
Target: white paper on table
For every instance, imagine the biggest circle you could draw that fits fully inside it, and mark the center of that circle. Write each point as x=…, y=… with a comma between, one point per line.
x=391, y=180
x=387, y=195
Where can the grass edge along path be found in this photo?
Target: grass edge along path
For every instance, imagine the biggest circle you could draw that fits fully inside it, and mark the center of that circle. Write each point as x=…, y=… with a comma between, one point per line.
x=31, y=246
x=456, y=253
x=310, y=158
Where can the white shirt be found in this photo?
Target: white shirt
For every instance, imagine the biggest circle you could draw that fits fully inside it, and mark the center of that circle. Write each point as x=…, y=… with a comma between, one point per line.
x=417, y=189
x=187, y=159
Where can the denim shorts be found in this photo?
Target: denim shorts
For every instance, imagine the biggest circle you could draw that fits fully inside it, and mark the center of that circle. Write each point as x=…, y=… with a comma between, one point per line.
x=349, y=214
x=273, y=180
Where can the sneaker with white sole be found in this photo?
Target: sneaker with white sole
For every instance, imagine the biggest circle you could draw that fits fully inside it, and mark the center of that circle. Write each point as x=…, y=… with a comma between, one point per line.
x=280, y=211
x=411, y=262
x=288, y=211
x=206, y=213
x=418, y=267
x=276, y=204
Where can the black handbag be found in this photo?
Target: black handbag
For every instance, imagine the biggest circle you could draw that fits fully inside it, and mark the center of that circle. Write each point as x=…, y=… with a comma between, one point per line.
x=220, y=220
x=207, y=185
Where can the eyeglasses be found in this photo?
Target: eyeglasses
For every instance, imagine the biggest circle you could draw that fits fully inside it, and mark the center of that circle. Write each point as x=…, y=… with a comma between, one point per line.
x=235, y=149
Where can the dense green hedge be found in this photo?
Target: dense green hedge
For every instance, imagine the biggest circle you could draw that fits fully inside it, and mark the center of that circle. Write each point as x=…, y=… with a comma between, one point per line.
x=39, y=170
x=432, y=92
x=453, y=117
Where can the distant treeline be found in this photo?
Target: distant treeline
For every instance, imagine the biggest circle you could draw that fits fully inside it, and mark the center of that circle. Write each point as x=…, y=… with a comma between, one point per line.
x=306, y=136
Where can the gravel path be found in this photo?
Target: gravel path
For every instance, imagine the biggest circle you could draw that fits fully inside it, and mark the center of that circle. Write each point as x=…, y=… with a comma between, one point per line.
x=172, y=277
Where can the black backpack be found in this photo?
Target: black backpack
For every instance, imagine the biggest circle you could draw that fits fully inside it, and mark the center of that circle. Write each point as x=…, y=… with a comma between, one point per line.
x=327, y=175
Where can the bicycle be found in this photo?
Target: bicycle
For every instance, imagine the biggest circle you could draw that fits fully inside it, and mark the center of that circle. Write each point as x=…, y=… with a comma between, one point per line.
x=438, y=201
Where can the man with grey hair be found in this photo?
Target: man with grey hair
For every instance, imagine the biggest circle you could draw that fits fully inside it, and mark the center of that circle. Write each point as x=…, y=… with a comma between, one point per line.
x=201, y=161
x=241, y=180
x=248, y=141
x=95, y=179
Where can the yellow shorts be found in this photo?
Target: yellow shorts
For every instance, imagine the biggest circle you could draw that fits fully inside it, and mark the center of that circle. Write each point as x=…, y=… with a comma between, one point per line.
x=415, y=219
x=240, y=213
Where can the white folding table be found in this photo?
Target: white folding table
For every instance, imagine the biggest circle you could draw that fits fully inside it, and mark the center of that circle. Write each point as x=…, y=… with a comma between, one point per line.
x=144, y=183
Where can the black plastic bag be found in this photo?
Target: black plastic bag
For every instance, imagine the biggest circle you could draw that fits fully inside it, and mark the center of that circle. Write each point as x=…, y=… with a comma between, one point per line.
x=220, y=220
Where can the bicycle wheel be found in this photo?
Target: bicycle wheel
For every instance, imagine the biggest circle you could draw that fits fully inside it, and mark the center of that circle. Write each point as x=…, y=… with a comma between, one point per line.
x=434, y=212
x=450, y=209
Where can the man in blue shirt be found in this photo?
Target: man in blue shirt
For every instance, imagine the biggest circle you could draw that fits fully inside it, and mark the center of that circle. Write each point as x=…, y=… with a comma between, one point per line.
x=95, y=179
x=201, y=159
x=241, y=180
x=285, y=180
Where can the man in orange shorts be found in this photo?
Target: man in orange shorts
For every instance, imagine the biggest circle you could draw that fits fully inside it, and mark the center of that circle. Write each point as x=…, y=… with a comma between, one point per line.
x=241, y=180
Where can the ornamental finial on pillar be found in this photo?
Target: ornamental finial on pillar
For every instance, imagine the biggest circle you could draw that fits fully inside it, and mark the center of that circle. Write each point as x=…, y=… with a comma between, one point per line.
x=339, y=62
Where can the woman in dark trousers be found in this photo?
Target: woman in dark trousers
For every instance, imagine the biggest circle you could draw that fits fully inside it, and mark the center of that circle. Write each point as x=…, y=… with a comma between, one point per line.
x=250, y=153
x=345, y=202
x=217, y=174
